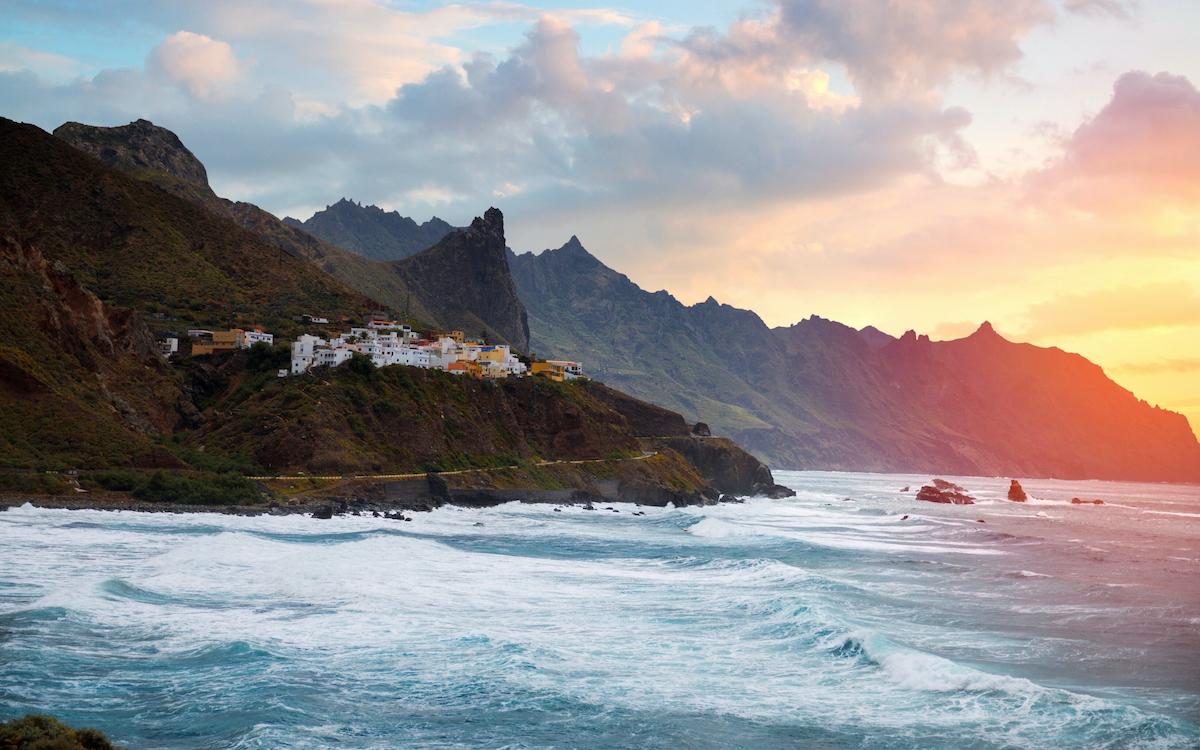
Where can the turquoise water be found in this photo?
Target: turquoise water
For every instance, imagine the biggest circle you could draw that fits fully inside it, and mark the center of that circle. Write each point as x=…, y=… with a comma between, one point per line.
x=822, y=621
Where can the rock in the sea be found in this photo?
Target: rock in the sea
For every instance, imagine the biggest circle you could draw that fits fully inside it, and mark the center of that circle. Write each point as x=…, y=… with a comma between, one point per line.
x=1077, y=501
x=1016, y=493
x=942, y=491
x=944, y=485
x=904, y=488
x=325, y=512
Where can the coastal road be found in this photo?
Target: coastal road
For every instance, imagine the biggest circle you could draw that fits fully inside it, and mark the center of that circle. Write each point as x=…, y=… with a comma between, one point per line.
x=419, y=474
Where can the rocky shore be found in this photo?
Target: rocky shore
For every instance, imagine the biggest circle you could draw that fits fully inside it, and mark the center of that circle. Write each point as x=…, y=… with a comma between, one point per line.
x=681, y=470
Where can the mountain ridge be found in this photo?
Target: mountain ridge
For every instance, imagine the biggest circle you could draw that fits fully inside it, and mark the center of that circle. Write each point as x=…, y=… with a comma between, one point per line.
x=820, y=394
x=371, y=231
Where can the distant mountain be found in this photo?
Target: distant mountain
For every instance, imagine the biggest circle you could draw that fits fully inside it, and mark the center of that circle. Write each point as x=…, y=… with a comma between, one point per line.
x=822, y=395
x=372, y=232
x=430, y=291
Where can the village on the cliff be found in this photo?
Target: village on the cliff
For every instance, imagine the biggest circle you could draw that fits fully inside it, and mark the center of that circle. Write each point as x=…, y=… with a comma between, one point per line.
x=385, y=342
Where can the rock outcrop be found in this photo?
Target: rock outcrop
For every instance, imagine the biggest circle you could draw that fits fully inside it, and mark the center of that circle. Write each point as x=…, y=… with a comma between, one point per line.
x=726, y=466
x=467, y=271
x=1016, y=493
x=139, y=146
x=941, y=491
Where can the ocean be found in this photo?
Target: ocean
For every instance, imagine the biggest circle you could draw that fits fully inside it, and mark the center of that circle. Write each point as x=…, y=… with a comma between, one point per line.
x=828, y=620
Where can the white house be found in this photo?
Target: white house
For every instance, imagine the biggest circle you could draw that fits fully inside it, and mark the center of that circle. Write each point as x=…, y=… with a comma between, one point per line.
x=304, y=351
x=247, y=339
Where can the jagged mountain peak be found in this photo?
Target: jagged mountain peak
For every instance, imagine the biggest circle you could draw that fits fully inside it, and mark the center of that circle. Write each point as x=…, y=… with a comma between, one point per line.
x=373, y=232
x=491, y=222
x=986, y=332
x=468, y=271
x=138, y=145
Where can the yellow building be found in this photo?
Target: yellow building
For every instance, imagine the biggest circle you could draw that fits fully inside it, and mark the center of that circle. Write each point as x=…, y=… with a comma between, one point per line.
x=462, y=367
x=557, y=369
x=222, y=341
x=234, y=338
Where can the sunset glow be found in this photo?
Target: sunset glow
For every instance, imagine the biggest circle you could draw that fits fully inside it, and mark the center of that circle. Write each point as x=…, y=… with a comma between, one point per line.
x=1032, y=163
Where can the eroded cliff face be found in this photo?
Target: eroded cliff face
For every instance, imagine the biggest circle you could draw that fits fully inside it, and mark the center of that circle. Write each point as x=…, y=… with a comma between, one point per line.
x=467, y=274
x=79, y=380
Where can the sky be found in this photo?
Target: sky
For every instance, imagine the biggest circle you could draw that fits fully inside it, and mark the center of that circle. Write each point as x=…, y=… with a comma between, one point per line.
x=926, y=164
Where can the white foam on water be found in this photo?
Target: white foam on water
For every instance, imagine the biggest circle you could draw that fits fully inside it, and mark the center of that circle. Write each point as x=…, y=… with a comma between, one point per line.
x=693, y=611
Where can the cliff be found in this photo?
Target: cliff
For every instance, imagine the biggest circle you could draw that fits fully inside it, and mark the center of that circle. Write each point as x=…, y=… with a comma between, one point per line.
x=467, y=271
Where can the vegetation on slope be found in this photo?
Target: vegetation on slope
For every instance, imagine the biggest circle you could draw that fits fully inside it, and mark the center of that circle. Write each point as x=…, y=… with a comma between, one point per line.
x=356, y=418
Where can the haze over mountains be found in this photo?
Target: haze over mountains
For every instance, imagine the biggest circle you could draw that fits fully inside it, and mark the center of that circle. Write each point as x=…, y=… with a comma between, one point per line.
x=817, y=394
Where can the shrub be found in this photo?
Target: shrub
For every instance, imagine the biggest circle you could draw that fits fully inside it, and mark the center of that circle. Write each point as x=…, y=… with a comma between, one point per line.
x=361, y=366
x=39, y=484
x=116, y=480
x=204, y=489
x=34, y=732
x=265, y=358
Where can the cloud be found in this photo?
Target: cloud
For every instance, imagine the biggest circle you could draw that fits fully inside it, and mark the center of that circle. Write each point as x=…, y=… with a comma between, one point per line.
x=913, y=46
x=1166, y=304
x=894, y=49
x=200, y=64
x=15, y=57
x=1117, y=8
x=1141, y=149
x=1170, y=365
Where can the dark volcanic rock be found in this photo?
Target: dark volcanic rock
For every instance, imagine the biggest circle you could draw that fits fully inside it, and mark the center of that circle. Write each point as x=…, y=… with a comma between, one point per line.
x=726, y=466
x=946, y=486
x=1016, y=493
x=468, y=271
x=942, y=491
x=1078, y=501
x=701, y=429
x=139, y=145
x=438, y=489
x=325, y=512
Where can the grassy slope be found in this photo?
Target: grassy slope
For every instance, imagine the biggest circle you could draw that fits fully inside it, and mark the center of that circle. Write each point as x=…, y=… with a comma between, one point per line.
x=400, y=419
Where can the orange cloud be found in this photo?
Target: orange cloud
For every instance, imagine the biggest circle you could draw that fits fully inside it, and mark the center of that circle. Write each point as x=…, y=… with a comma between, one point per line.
x=1135, y=307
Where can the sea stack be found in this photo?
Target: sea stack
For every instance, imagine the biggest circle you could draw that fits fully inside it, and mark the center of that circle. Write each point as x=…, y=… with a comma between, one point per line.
x=1016, y=493
x=942, y=491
